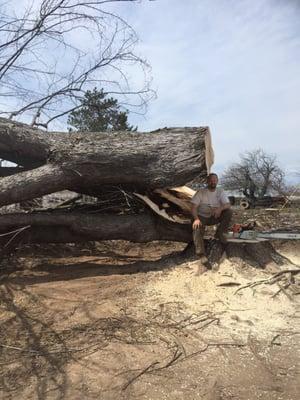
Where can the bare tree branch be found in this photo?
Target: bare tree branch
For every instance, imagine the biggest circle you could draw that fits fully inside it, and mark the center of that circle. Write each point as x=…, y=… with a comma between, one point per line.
x=58, y=49
x=256, y=174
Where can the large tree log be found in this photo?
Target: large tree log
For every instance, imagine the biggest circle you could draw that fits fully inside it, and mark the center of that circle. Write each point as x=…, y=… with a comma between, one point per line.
x=22, y=144
x=33, y=183
x=62, y=227
x=83, y=162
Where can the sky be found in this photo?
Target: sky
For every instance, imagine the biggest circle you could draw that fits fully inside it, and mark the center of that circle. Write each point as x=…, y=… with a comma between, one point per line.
x=232, y=65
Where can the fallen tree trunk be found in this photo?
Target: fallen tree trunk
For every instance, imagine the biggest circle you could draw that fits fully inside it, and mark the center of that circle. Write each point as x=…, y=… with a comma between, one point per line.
x=84, y=162
x=63, y=227
x=23, y=145
x=33, y=183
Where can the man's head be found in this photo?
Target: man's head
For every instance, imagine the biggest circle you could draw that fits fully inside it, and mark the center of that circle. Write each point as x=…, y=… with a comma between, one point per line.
x=212, y=181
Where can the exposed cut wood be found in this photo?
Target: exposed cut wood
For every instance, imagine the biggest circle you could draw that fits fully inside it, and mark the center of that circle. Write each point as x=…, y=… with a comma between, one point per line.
x=161, y=211
x=185, y=205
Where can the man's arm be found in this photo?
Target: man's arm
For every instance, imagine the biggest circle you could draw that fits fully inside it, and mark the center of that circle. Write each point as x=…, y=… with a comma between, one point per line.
x=197, y=222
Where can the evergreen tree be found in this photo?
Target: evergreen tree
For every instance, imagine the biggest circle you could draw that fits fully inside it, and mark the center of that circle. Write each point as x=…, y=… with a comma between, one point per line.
x=99, y=114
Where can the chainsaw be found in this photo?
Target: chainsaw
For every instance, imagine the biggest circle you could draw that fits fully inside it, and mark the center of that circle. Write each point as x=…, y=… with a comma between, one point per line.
x=247, y=233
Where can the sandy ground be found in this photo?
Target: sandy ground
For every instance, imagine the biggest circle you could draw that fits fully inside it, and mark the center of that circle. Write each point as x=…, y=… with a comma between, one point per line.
x=90, y=324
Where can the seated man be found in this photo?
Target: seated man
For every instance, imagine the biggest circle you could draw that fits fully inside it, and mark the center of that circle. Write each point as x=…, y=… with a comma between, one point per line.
x=210, y=207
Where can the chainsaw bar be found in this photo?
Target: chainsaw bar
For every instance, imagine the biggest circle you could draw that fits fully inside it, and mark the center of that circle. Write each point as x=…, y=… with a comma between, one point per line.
x=262, y=236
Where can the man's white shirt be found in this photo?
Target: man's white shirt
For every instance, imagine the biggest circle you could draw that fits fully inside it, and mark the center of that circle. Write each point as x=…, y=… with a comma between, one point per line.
x=207, y=200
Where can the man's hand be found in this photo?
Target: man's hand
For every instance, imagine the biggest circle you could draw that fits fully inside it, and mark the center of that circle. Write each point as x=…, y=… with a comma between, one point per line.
x=217, y=212
x=196, y=224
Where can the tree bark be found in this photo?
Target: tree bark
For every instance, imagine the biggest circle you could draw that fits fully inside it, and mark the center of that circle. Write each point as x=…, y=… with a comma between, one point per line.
x=62, y=227
x=84, y=162
x=23, y=145
x=33, y=183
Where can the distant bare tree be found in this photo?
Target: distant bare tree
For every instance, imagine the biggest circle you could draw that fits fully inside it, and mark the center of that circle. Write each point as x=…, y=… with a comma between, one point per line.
x=58, y=49
x=254, y=175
